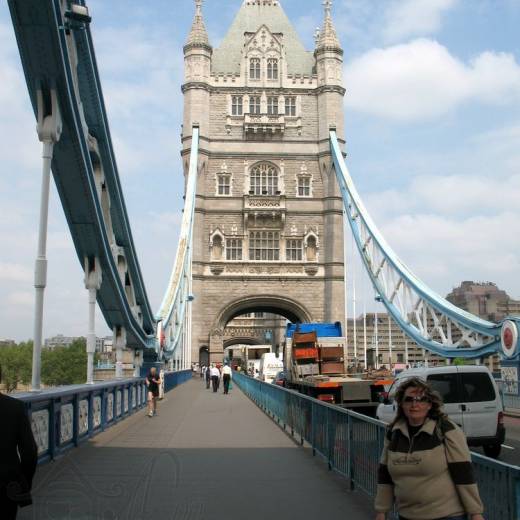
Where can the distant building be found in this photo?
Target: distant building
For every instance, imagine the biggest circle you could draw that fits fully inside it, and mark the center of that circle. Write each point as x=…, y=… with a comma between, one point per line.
x=486, y=300
x=7, y=343
x=66, y=341
x=393, y=345
x=59, y=341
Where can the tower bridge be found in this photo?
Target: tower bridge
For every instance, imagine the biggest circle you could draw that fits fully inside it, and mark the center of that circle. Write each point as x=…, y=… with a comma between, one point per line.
x=266, y=193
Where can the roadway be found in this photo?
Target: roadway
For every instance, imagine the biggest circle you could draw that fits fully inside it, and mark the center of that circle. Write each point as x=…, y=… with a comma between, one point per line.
x=205, y=456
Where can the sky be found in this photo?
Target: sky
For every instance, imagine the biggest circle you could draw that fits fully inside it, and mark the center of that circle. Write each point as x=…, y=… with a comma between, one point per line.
x=432, y=114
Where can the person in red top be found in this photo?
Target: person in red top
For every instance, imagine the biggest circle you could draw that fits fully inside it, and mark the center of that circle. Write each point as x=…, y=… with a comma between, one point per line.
x=152, y=382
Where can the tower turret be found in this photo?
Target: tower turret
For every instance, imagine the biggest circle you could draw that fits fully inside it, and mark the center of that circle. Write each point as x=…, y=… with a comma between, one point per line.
x=329, y=66
x=197, y=68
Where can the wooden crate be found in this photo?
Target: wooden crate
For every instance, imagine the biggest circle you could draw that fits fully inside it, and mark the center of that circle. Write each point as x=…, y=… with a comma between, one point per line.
x=332, y=367
x=335, y=353
x=305, y=353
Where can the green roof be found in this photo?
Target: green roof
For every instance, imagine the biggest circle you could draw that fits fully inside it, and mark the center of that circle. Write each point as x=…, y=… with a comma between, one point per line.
x=251, y=16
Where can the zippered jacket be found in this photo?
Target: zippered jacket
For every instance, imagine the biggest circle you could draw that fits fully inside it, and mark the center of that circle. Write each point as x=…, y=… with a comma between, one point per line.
x=428, y=476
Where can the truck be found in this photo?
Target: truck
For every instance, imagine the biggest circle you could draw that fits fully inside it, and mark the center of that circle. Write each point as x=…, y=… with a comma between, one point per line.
x=270, y=365
x=315, y=364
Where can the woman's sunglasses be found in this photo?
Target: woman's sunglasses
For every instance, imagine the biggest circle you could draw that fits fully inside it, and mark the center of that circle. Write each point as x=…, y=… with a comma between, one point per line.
x=410, y=399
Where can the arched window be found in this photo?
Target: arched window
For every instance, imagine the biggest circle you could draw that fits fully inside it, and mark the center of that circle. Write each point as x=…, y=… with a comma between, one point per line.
x=272, y=68
x=217, y=248
x=254, y=68
x=311, y=249
x=264, y=180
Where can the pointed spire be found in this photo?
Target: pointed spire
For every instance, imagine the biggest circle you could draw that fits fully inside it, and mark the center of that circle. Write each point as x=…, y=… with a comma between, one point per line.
x=328, y=37
x=198, y=34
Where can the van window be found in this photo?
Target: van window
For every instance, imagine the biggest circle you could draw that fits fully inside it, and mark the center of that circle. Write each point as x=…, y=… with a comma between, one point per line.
x=446, y=385
x=477, y=386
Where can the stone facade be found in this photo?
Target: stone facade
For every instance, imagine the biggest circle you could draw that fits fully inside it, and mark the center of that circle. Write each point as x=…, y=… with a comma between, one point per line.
x=268, y=233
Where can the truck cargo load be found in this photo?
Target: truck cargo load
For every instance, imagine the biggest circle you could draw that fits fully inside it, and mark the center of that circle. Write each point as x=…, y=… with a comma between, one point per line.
x=315, y=357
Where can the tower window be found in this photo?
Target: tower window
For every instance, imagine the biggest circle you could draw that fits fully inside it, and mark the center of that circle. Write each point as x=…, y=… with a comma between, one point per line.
x=254, y=68
x=290, y=106
x=304, y=186
x=272, y=68
x=272, y=105
x=293, y=249
x=236, y=105
x=264, y=180
x=233, y=249
x=264, y=245
x=254, y=105
x=224, y=184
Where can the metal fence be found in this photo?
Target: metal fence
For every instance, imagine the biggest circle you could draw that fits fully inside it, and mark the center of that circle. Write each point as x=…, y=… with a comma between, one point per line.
x=64, y=417
x=510, y=396
x=351, y=444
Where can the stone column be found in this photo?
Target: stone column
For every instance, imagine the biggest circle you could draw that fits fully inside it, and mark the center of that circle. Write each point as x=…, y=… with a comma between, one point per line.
x=119, y=342
x=93, y=278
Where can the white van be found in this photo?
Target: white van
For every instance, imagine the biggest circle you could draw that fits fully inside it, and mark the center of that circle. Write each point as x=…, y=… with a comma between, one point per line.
x=270, y=365
x=471, y=399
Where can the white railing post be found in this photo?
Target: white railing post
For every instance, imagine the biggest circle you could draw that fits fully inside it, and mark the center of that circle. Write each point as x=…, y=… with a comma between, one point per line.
x=93, y=278
x=49, y=128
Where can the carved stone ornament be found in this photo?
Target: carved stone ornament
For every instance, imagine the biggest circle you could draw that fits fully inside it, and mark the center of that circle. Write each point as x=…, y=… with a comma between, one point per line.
x=40, y=429
x=311, y=269
x=83, y=417
x=216, y=269
x=96, y=412
x=118, y=403
x=66, y=422
x=134, y=397
x=110, y=407
x=217, y=332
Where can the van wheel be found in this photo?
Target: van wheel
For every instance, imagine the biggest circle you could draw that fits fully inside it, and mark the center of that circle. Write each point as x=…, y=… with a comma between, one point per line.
x=492, y=450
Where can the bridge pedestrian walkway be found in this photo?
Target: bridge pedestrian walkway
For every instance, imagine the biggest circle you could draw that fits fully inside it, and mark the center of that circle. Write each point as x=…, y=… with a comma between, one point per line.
x=206, y=456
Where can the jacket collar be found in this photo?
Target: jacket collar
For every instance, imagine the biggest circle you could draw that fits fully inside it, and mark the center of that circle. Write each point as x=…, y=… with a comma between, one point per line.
x=427, y=427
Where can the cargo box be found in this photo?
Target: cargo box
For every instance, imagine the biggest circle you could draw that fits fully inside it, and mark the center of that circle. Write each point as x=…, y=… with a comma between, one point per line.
x=332, y=367
x=305, y=353
x=335, y=353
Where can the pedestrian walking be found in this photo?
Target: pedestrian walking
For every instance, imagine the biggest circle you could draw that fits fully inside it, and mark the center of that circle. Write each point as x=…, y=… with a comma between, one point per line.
x=19, y=455
x=226, y=377
x=152, y=382
x=207, y=377
x=425, y=467
x=215, y=377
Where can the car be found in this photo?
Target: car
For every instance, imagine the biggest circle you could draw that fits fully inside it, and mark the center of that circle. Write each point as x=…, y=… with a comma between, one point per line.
x=280, y=379
x=471, y=399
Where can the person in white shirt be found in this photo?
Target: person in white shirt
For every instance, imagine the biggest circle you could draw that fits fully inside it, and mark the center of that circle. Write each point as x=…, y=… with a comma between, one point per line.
x=215, y=377
x=226, y=377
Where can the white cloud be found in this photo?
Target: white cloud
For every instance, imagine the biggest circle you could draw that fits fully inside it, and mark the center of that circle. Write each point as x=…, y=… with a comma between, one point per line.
x=422, y=80
x=414, y=17
x=21, y=298
x=14, y=272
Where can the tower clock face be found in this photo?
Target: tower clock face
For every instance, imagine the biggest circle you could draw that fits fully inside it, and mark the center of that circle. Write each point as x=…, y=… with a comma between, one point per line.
x=509, y=336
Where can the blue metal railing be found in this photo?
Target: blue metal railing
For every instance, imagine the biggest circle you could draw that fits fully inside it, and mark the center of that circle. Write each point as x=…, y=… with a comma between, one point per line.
x=173, y=379
x=64, y=417
x=351, y=444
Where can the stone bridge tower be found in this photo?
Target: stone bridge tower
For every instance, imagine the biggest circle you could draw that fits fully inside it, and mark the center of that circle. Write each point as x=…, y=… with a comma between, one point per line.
x=268, y=218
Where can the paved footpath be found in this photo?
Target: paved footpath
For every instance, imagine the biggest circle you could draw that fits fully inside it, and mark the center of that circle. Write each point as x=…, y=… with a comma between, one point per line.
x=205, y=456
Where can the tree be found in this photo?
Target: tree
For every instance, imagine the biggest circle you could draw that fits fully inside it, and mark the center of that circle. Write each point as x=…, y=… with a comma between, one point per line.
x=15, y=365
x=65, y=365
x=458, y=361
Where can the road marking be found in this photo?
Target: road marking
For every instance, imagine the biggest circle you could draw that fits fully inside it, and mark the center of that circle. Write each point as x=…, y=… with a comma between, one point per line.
x=508, y=447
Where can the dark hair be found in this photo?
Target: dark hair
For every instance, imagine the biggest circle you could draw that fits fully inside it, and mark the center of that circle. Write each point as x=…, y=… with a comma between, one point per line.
x=436, y=413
